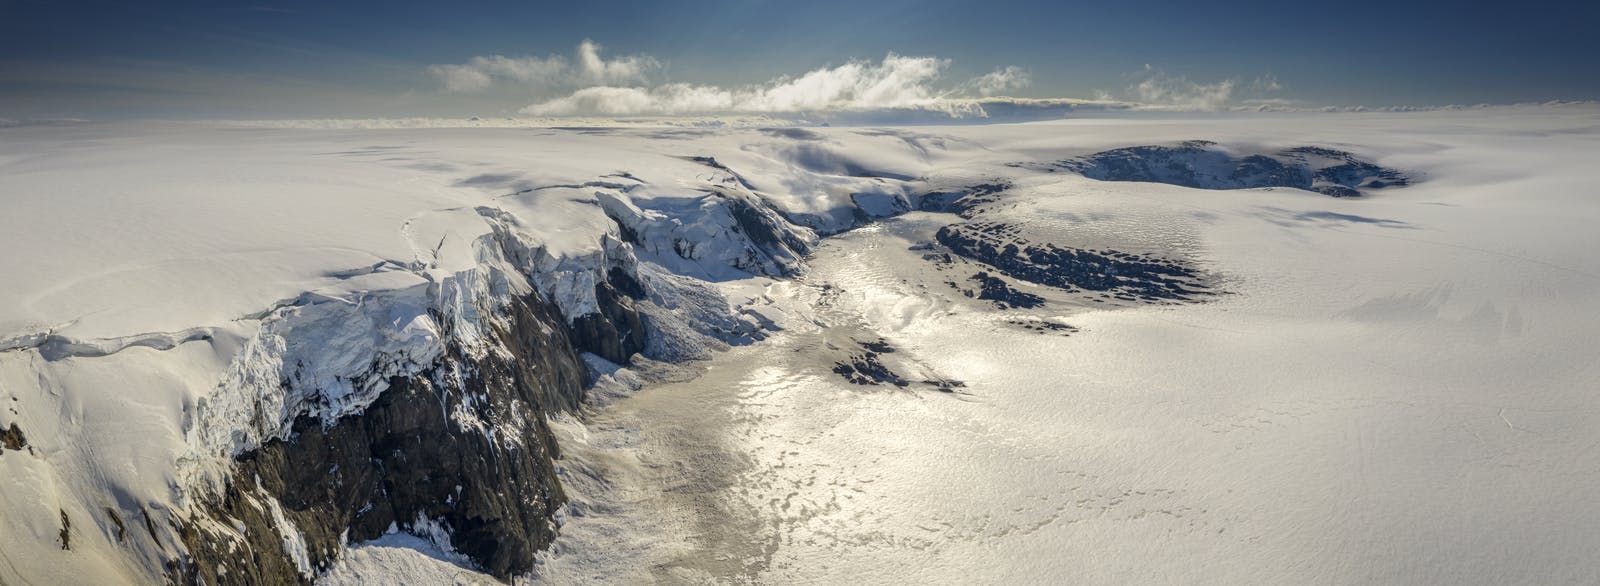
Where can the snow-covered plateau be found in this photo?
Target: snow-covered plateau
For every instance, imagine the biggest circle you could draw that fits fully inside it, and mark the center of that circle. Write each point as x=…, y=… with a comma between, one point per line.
x=1306, y=348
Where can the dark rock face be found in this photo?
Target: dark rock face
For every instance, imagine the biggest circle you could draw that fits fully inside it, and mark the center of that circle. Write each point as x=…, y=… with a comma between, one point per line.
x=256, y=557
x=995, y=289
x=1040, y=326
x=465, y=445
x=866, y=369
x=1127, y=276
x=625, y=283
x=1202, y=165
x=712, y=162
x=65, y=535
x=965, y=203
x=11, y=438
x=767, y=231
x=615, y=332
x=116, y=519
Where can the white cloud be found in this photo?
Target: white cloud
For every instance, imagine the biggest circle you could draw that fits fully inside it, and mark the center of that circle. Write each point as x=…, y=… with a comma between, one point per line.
x=896, y=82
x=593, y=69
x=1157, y=88
x=1000, y=80
x=481, y=73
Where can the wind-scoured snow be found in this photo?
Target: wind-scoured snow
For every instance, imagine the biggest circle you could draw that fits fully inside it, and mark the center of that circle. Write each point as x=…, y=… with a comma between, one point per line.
x=1387, y=388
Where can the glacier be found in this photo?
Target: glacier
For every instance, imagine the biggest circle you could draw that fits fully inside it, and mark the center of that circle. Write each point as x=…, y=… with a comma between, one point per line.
x=799, y=355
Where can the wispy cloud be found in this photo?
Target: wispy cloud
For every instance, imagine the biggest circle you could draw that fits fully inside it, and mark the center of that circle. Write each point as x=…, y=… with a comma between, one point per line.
x=1154, y=87
x=1266, y=83
x=587, y=68
x=1002, y=80
x=481, y=72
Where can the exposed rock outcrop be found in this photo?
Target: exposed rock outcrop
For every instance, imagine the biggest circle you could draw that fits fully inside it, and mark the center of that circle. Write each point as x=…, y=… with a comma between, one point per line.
x=1205, y=165
x=964, y=202
x=12, y=438
x=1125, y=275
x=992, y=288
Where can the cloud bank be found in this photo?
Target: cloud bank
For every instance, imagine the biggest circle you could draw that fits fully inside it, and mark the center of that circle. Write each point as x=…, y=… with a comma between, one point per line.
x=629, y=86
x=589, y=83
x=895, y=82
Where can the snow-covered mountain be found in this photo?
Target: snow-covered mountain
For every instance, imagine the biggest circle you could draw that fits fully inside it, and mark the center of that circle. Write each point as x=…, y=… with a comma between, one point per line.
x=250, y=355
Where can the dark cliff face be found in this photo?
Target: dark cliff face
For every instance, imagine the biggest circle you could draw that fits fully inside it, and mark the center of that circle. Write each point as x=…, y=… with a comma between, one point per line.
x=465, y=445
x=766, y=230
x=616, y=332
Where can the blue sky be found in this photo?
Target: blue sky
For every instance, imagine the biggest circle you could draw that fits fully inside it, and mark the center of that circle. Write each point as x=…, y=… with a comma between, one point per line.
x=344, y=59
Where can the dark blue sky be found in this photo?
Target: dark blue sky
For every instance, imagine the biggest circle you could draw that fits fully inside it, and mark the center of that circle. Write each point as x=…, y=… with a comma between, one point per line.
x=289, y=58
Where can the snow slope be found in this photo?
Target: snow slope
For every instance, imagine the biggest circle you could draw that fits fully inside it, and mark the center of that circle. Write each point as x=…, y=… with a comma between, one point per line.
x=1391, y=388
